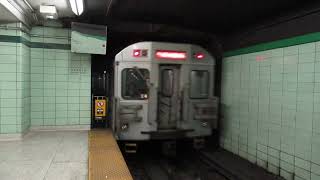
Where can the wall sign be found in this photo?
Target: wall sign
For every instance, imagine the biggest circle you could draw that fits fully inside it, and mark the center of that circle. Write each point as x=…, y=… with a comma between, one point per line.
x=88, y=38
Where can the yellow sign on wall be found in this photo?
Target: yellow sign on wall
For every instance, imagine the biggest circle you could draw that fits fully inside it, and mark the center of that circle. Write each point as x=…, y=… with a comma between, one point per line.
x=100, y=107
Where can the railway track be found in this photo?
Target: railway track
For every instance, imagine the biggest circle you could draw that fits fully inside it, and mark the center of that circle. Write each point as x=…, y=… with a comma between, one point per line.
x=191, y=165
x=215, y=167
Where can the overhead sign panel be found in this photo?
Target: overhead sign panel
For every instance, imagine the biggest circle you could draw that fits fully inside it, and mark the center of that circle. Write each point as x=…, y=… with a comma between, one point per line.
x=88, y=38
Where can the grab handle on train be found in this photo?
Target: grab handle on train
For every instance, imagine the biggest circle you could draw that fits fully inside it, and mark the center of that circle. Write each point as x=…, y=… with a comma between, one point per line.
x=182, y=103
x=117, y=114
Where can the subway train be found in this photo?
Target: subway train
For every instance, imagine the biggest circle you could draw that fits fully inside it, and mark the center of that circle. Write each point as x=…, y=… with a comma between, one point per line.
x=163, y=91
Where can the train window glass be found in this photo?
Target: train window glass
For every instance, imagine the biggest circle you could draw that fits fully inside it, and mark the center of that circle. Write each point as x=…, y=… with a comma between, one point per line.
x=167, y=82
x=134, y=83
x=199, y=84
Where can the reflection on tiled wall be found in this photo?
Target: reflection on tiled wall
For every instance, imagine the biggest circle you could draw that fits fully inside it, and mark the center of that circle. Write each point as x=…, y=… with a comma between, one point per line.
x=60, y=80
x=271, y=109
x=14, y=80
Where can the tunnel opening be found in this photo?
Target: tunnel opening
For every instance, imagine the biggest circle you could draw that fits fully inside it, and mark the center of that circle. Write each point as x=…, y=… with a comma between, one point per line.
x=101, y=90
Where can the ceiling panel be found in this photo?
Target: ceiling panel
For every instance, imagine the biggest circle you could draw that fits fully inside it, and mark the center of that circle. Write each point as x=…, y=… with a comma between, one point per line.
x=63, y=7
x=210, y=15
x=207, y=15
x=92, y=7
x=6, y=16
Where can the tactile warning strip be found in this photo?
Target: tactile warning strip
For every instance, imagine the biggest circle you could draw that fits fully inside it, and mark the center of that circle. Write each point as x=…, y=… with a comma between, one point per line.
x=105, y=159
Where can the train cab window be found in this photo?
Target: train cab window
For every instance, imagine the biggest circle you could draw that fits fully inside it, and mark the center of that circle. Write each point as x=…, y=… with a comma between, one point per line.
x=199, y=84
x=167, y=82
x=134, y=83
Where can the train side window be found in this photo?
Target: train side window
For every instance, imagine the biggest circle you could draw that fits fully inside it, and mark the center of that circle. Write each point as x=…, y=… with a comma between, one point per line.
x=134, y=83
x=167, y=82
x=199, y=84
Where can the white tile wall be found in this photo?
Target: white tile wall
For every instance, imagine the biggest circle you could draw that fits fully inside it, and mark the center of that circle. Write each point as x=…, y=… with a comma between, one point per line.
x=14, y=82
x=60, y=82
x=270, y=103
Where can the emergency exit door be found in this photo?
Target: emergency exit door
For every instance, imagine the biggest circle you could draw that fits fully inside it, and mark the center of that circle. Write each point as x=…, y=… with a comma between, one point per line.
x=168, y=112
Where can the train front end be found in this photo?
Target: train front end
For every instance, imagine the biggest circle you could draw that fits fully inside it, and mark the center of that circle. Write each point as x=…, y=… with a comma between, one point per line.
x=163, y=91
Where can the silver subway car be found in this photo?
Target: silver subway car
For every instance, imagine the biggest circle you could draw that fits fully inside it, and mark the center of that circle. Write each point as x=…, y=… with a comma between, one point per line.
x=163, y=91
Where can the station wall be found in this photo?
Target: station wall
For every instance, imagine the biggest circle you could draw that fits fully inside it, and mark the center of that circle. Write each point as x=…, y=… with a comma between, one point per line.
x=271, y=106
x=23, y=83
x=14, y=79
x=42, y=84
x=60, y=80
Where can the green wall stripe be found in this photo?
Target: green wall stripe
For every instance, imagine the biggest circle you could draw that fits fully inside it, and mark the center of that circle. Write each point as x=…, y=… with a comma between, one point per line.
x=19, y=39
x=25, y=41
x=312, y=37
x=12, y=39
x=50, y=46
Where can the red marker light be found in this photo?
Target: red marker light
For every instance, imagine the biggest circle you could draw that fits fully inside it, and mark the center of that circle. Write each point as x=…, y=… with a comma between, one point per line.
x=167, y=54
x=136, y=52
x=199, y=55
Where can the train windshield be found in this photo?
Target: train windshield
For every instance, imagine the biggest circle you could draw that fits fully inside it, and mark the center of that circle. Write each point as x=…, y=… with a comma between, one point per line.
x=199, y=84
x=134, y=83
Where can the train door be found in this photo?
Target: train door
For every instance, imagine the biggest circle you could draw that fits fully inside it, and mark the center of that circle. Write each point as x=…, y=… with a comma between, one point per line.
x=168, y=112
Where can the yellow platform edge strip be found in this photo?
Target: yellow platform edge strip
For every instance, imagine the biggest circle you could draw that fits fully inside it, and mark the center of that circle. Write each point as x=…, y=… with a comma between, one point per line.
x=105, y=158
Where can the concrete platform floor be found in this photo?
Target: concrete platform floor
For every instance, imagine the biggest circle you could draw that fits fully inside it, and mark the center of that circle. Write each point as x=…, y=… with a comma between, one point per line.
x=45, y=155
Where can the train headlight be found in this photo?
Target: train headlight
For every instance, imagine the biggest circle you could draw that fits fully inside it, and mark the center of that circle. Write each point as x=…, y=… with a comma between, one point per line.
x=124, y=127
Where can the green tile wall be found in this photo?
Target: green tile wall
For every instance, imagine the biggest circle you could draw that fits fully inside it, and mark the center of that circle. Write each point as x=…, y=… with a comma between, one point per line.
x=14, y=82
x=271, y=109
x=23, y=86
x=41, y=82
x=60, y=80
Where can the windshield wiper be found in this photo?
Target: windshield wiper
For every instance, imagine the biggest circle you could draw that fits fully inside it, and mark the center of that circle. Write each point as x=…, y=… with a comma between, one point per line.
x=140, y=73
x=146, y=80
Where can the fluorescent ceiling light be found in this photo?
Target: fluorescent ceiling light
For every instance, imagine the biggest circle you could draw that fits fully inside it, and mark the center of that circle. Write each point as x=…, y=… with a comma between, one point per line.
x=48, y=9
x=50, y=17
x=77, y=6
